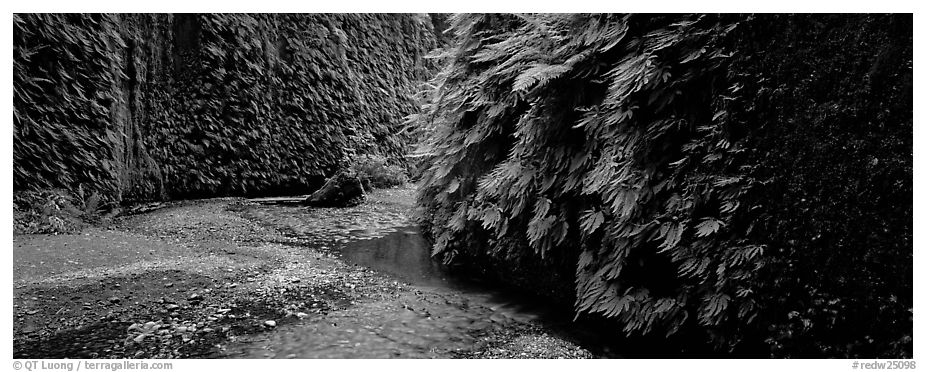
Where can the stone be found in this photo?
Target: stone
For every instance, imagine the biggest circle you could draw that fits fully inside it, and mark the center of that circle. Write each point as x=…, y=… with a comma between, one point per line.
x=270, y=323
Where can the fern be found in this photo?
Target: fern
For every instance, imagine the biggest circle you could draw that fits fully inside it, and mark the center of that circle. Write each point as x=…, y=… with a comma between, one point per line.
x=549, y=126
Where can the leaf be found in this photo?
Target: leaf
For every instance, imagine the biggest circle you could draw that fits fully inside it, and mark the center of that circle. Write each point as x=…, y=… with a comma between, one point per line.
x=454, y=185
x=590, y=221
x=542, y=207
x=673, y=236
x=490, y=217
x=707, y=227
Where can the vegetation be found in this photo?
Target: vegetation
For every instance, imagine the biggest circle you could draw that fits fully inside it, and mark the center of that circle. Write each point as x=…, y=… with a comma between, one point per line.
x=739, y=181
x=325, y=91
x=693, y=174
x=149, y=106
x=62, y=132
x=55, y=211
x=375, y=171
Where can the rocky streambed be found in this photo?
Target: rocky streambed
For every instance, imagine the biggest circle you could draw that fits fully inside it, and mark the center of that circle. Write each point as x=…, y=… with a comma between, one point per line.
x=234, y=278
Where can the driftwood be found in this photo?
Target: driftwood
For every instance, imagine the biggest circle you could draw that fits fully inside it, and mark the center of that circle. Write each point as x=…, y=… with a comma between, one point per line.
x=342, y=190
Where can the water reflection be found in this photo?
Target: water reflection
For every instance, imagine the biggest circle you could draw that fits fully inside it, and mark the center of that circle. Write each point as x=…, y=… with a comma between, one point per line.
x=405, y=254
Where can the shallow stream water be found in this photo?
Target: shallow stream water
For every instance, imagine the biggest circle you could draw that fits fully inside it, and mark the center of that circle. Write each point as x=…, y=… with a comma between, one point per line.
x=442, y=315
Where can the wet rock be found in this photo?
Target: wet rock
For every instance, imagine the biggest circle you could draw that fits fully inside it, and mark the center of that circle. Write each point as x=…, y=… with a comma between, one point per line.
x=342, y=190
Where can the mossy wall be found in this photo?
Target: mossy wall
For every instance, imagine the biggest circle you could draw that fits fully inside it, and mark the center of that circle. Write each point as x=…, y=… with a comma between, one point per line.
x=150, y=106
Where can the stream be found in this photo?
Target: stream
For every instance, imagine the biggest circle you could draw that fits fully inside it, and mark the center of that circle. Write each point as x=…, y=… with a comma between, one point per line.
x=444, y=314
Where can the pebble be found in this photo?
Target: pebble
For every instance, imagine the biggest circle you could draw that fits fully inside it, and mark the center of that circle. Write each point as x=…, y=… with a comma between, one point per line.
x=301, y=315
x=270, y=323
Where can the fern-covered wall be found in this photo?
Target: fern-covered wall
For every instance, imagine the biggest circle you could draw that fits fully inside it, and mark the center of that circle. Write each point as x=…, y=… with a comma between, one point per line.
x=743, y=181
x=158, y=105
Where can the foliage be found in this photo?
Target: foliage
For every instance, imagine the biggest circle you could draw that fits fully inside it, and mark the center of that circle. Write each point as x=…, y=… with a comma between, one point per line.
x=589, y=134
x=62, y=132
x=52, y=211
x=835, y=161
x=210, y=104
x=625, y=147
x=375, y=171
x=277, y=99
